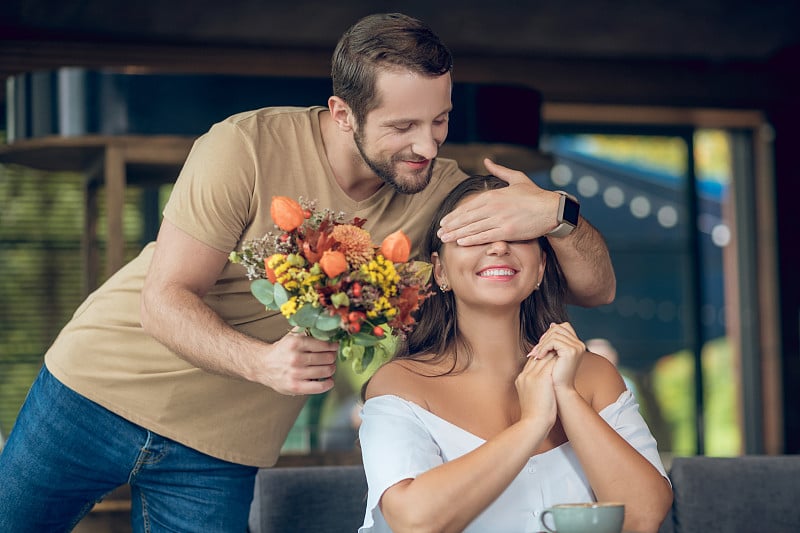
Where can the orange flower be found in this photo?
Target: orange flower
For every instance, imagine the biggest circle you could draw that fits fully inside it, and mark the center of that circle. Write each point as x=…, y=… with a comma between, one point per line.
x=270, y=273
x=355, y=243
x=396, y=247
x=286, y=213
x=333, y=263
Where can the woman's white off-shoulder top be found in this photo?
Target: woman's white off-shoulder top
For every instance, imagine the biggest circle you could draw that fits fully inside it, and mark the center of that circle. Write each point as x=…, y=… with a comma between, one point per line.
x=400, y=440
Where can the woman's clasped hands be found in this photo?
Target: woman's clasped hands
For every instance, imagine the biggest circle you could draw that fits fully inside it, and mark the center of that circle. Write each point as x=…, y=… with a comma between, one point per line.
x=551, y=368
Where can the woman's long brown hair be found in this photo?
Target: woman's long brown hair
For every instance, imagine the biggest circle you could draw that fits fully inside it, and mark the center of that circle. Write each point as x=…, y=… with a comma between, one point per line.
x=437, y=335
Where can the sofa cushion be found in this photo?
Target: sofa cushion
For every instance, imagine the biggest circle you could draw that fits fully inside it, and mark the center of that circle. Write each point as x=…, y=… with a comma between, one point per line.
x=318, y=499
x=736, y=494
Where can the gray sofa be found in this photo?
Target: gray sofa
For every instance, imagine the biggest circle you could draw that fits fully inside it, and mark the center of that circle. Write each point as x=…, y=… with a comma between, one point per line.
x=310, y=499
x=748, y=494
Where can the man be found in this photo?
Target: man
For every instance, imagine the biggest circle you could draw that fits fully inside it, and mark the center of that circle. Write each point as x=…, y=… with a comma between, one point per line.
x=171, y=376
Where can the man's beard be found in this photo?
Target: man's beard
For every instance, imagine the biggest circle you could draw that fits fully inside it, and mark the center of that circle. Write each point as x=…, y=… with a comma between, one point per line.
x=386, y=170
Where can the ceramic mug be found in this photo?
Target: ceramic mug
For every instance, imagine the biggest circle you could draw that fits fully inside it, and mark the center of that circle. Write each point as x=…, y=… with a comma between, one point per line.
x=598, y=517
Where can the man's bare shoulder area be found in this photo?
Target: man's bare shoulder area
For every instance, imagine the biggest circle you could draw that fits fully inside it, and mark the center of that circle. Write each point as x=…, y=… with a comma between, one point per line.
x=401, y=378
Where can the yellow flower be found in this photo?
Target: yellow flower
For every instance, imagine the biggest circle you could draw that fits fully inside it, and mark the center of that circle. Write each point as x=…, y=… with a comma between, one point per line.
x=381, y=273
x=287, y=269
x=274, y=260
x=289, y=308
x=382, y=306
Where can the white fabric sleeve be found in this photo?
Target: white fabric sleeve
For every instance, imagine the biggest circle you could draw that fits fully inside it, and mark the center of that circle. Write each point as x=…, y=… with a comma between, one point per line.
x=623, y=415
x=395, y=445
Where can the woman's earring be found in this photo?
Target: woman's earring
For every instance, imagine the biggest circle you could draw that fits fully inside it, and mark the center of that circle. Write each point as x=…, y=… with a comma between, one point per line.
x=537, y=284
x=444, y=287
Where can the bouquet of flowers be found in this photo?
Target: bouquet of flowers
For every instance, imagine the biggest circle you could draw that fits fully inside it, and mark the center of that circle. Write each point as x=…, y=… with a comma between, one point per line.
x=328, y=279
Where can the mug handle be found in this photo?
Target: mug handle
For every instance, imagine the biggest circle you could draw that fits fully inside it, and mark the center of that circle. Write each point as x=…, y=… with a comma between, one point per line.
x=545, y=514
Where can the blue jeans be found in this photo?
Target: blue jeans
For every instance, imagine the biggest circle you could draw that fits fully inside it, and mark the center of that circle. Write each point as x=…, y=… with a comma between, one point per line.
x=66, y=452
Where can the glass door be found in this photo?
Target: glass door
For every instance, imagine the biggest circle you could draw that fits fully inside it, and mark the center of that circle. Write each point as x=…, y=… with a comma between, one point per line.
x=661, y=198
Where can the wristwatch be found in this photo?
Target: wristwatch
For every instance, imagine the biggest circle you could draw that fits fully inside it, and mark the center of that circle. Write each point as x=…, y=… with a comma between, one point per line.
x=567, y=217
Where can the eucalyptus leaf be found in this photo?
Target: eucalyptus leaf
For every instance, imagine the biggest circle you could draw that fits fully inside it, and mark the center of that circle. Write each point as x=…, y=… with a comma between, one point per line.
x=320, y=334
x=307, y=315
x=263, y=290
x=328, y=322
x=281, y=296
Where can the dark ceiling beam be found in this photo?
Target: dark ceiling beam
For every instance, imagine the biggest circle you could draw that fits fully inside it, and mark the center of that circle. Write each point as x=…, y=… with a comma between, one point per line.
x=617, y=81
x=705, y=29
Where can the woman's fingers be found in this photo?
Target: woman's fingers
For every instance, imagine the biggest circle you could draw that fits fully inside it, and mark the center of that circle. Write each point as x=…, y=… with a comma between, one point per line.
x=558, y=337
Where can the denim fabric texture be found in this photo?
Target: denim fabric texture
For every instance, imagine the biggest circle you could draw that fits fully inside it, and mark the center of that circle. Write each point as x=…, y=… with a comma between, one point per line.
x=65, y=453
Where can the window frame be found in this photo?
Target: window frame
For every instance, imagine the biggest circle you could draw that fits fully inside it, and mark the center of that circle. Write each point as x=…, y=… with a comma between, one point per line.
x=754, y=335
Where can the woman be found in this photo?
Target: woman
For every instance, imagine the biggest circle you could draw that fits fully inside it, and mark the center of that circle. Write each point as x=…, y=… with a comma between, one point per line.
x=494, y=410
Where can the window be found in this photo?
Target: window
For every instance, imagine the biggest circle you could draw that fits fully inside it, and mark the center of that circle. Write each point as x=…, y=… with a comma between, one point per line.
x=42, y=268
x=665, y=198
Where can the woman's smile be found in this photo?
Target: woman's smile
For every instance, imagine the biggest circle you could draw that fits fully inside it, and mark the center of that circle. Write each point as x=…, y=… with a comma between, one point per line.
x=502, y=273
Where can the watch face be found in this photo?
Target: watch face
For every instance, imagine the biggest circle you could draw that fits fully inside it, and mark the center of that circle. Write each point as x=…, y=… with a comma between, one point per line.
x=571, y=210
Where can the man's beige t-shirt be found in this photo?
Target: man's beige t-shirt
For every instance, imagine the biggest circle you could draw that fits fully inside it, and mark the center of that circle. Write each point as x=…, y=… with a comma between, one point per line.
x=222, y=198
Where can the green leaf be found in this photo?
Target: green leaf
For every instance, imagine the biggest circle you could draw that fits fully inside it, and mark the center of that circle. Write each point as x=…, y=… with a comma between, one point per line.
x=263, y=290
x=352, y=352
x=365, y=339
x=340, y=299
x=281, y=296
x=386, y=348
x=369, y=353
x=328, y=322
x=320, y=334
x=344, y=351
x=422, y=271
x=307, y=315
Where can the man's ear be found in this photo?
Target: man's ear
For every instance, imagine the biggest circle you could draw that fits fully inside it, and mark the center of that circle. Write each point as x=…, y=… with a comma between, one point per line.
x=341, y=113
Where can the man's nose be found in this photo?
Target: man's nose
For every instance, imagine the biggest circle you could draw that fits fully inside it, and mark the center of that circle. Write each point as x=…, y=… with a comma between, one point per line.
x=425, y=144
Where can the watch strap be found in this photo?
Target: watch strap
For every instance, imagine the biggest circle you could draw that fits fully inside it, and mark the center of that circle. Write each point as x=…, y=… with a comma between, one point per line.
x=562, y=230
x=565, y=224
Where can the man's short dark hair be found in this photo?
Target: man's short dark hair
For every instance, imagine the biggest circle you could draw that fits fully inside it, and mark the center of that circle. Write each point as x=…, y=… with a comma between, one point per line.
x=383, y=41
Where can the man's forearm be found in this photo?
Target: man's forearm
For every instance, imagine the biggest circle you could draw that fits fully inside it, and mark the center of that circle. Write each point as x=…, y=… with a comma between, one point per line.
x=184, y=323
x=586, y=263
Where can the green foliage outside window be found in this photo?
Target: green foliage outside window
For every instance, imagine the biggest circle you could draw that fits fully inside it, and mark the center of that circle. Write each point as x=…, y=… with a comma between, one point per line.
x=42, y=217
